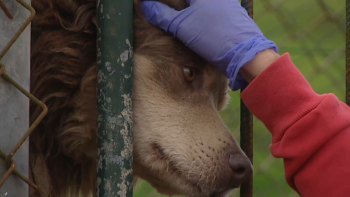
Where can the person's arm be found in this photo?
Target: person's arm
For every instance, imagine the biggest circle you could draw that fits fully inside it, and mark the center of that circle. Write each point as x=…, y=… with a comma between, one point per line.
x=258, y=64
x=311, y=132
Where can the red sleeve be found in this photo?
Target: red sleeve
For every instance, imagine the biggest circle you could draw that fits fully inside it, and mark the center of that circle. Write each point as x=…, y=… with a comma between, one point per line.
x=311, y=132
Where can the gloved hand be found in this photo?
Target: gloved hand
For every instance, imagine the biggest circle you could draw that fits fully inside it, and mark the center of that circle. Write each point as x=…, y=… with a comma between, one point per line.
x=220, y=31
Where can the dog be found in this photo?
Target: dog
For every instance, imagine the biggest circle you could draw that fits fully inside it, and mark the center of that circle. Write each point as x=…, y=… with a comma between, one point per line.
x=180, y=144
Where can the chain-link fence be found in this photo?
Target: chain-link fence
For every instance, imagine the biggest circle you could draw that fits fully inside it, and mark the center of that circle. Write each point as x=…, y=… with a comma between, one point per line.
x=15, y=18
x=313, y=32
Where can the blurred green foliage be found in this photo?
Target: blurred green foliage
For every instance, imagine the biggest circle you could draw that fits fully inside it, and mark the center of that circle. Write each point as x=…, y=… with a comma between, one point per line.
x=313, y=32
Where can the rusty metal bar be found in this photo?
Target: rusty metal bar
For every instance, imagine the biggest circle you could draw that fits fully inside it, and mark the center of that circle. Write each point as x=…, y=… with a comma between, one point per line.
x=8, y=158
x=35, y=123
x=8, y=173
x=21, y=29
x=114, y=84
x=17, y=173
x=6, y=11
x=348, y=52
x=246, y=126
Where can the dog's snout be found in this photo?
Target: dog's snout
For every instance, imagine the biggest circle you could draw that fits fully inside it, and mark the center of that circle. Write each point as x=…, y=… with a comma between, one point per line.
x=241, y=167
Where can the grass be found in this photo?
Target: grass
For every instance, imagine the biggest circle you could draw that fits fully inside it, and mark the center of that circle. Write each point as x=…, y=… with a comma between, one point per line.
x=317, y=47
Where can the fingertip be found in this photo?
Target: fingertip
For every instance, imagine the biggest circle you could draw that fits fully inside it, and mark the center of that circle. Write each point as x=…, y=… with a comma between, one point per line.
x=153, y=9
x=157, y=13
x=148, y=10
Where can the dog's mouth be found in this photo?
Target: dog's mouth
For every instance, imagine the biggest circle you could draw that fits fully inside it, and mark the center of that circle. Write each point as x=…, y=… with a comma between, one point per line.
x=173, y=169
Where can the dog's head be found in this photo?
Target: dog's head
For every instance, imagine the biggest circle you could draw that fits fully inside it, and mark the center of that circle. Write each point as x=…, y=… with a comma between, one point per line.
x=181, y=145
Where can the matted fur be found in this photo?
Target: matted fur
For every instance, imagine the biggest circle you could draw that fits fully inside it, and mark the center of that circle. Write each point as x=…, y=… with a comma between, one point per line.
x=63, y=76
x=180, y=141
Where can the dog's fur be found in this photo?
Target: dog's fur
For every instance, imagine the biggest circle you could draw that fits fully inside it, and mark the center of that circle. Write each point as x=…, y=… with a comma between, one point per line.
x=181, y=145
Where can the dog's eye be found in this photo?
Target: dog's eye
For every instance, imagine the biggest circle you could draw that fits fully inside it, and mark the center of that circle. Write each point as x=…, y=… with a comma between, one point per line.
x=189, y=73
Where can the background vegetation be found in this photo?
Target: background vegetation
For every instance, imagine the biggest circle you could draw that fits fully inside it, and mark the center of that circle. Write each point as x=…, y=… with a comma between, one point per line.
x=313, y=32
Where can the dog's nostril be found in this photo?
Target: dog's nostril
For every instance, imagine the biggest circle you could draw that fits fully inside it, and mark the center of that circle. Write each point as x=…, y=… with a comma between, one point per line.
x=241, y=167
x=239, y=171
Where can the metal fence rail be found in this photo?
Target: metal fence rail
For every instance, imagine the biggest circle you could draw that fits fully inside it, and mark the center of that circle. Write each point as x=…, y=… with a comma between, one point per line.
x=246, y=126
x=348, y=52
x=114, y=82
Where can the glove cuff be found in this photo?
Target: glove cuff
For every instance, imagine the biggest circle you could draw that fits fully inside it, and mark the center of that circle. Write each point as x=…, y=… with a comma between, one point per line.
x=242, y=54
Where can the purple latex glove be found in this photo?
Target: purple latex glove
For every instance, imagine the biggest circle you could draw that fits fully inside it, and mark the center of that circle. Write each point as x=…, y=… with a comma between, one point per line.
x=220, y=31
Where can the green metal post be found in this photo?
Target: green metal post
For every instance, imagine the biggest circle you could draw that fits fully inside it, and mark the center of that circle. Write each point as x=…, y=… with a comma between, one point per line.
x=348, y=52
x=114, y=81
x=246, y=129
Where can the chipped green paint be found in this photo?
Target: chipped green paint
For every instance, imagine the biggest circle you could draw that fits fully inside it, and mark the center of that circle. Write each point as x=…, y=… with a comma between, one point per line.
x=114, y=81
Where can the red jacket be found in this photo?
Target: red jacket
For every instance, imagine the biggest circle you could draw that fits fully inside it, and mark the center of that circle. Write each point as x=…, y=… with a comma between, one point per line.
x=311, y=132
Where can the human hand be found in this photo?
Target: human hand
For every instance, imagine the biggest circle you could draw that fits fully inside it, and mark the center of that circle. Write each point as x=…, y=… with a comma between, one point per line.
x=219, y=31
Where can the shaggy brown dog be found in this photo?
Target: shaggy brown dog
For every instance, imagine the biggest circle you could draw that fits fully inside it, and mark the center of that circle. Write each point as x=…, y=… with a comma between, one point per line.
x=181, y=145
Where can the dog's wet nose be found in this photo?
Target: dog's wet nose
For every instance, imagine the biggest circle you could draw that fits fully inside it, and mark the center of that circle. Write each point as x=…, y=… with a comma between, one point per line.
x=241, y=167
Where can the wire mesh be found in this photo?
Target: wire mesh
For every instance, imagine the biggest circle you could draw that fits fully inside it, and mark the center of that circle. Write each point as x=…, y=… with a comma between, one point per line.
x=11, y=164
x=6, y=10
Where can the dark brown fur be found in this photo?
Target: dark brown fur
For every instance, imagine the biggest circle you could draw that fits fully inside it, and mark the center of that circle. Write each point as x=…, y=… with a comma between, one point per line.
x=63, y=72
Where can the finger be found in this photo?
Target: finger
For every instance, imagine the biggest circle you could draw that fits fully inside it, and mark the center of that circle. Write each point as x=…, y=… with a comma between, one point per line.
x=158, y=13
x=190, y=2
